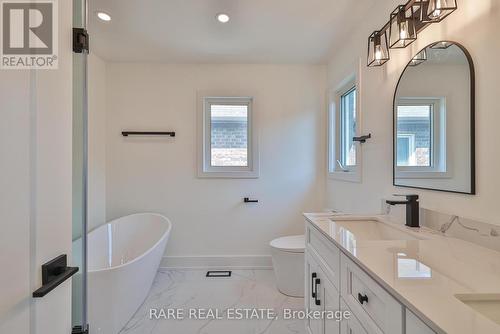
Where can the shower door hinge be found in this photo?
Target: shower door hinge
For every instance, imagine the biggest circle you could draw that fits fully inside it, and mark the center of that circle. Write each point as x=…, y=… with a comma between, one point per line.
x=80, y=40
x=80, y=330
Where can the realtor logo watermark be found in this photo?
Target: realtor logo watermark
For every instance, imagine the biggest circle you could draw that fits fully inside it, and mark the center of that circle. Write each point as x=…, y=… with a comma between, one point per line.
x=29, y=34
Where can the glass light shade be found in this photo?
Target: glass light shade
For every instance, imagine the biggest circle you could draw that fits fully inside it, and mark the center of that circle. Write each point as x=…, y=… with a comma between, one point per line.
x=441, y=45
x=378, y=50
x=419, y=58
x=402, y=31
x=437, y=10
x=423, y=6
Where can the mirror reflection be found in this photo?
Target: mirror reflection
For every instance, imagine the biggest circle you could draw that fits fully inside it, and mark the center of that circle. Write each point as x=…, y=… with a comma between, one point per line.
x=434, y=121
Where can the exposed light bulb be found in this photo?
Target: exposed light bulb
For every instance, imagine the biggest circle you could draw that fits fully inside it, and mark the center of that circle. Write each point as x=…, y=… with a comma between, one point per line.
x=403, y=32
x=436, y=13
x=378, y=52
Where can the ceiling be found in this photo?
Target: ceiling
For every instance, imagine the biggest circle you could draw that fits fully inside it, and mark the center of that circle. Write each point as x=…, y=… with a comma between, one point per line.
x=186, y=31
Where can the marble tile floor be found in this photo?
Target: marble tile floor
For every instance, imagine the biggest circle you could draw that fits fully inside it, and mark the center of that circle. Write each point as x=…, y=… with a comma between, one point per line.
x=190, y=289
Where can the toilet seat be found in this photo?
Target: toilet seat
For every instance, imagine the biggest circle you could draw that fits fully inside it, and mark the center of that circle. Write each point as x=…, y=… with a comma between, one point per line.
x=291, y=244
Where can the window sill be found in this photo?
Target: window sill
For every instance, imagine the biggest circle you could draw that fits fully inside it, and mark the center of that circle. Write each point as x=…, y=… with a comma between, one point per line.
x=351, y=176
x=228, y=175
x=423, y=175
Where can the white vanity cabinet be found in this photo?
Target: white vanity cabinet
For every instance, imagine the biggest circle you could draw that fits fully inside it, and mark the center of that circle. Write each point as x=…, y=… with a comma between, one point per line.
x=335, y=282
x=310, y=297
x=322, y=281
x=351, y=325
x=415, y=326
x=320, y=295
x=375, y=307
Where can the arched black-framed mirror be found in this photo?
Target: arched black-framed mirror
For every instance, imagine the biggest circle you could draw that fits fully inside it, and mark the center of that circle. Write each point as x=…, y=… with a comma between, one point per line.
x=434, y=121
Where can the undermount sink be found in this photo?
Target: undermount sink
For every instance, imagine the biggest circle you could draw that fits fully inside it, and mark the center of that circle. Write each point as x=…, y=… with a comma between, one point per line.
x=486, y=304
x=371, y=230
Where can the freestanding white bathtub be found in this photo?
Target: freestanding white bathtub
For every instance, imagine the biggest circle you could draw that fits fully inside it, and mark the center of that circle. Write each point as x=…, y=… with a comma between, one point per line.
x=123, y=258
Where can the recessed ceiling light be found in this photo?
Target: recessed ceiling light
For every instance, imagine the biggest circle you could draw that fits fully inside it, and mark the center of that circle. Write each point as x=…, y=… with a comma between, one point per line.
x=223, y=18
x=104, y=16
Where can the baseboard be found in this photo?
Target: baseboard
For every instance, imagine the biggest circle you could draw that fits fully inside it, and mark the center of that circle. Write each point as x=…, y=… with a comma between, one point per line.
x=217, y=262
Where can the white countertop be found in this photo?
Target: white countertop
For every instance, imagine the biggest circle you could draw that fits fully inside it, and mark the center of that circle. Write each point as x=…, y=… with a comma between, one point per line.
x=425, y=274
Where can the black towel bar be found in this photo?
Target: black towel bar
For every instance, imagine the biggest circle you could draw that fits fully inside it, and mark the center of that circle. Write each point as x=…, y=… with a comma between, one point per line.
x=147, y=133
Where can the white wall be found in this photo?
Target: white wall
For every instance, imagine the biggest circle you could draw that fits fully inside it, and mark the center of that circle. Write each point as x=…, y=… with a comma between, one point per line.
x=35, y=189
x=475, y=25
x=159, y=174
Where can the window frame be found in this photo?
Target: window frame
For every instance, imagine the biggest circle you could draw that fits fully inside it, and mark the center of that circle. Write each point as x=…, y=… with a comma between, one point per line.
x=440, y=155
x=343, y=126
x=335, y=171
x=205, y=168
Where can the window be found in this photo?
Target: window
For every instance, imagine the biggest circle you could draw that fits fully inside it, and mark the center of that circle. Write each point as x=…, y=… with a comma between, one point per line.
x=348, y=128
x=229, y=135
x=343, y=125
x=421, y=137
x=406, y=145
x=227, y=148
x=415, y=129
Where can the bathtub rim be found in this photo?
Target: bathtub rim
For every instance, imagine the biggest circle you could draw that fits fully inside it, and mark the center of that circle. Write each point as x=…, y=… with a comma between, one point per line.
x=147, y=252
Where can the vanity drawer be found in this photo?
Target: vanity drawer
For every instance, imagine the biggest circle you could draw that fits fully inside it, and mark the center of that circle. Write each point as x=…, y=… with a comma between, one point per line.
x=351, y=325
x=368, y=301
x=327, y=252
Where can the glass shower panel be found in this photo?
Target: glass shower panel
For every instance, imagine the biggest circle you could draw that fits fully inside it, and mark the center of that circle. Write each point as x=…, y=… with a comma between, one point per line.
x=79, y=286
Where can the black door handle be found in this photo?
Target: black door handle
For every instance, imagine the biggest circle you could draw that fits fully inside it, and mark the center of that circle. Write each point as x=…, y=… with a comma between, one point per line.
x=54, y=273
x=313, y=293
x=317, y=282
x=362, y=298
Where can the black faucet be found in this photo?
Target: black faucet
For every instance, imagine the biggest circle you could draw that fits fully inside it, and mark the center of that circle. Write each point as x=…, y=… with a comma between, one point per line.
x=412, y=209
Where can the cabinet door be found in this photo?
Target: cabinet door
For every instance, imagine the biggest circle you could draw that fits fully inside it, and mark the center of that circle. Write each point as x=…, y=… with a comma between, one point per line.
x=330, y=301
x=312, y=280
x=416, y=326
x=351, y=325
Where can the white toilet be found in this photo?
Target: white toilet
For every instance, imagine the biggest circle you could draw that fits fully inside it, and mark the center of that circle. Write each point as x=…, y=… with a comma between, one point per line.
x=288, y=263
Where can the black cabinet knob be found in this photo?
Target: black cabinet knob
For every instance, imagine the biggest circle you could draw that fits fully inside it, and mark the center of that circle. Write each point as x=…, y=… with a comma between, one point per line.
x=362, y=298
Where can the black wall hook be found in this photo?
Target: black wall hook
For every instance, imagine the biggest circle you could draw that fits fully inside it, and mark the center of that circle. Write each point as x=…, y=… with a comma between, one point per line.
x=362, y=139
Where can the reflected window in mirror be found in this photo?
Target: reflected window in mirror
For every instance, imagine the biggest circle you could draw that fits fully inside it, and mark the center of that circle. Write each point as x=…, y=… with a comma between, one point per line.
x=415, y=135
x=421, y=137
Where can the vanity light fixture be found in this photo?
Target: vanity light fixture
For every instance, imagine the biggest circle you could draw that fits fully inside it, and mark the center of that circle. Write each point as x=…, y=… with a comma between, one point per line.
x=378, y=50
x=419, y=58
x=437, y=10
x=405, y=22
x=103, y=16
x=402, y=31
x=223, y=18
x=441, y=45
x=432, y=11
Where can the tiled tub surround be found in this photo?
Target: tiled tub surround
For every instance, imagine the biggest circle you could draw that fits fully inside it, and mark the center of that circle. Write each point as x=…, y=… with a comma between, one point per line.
x=186, y=289
x=424, y=274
